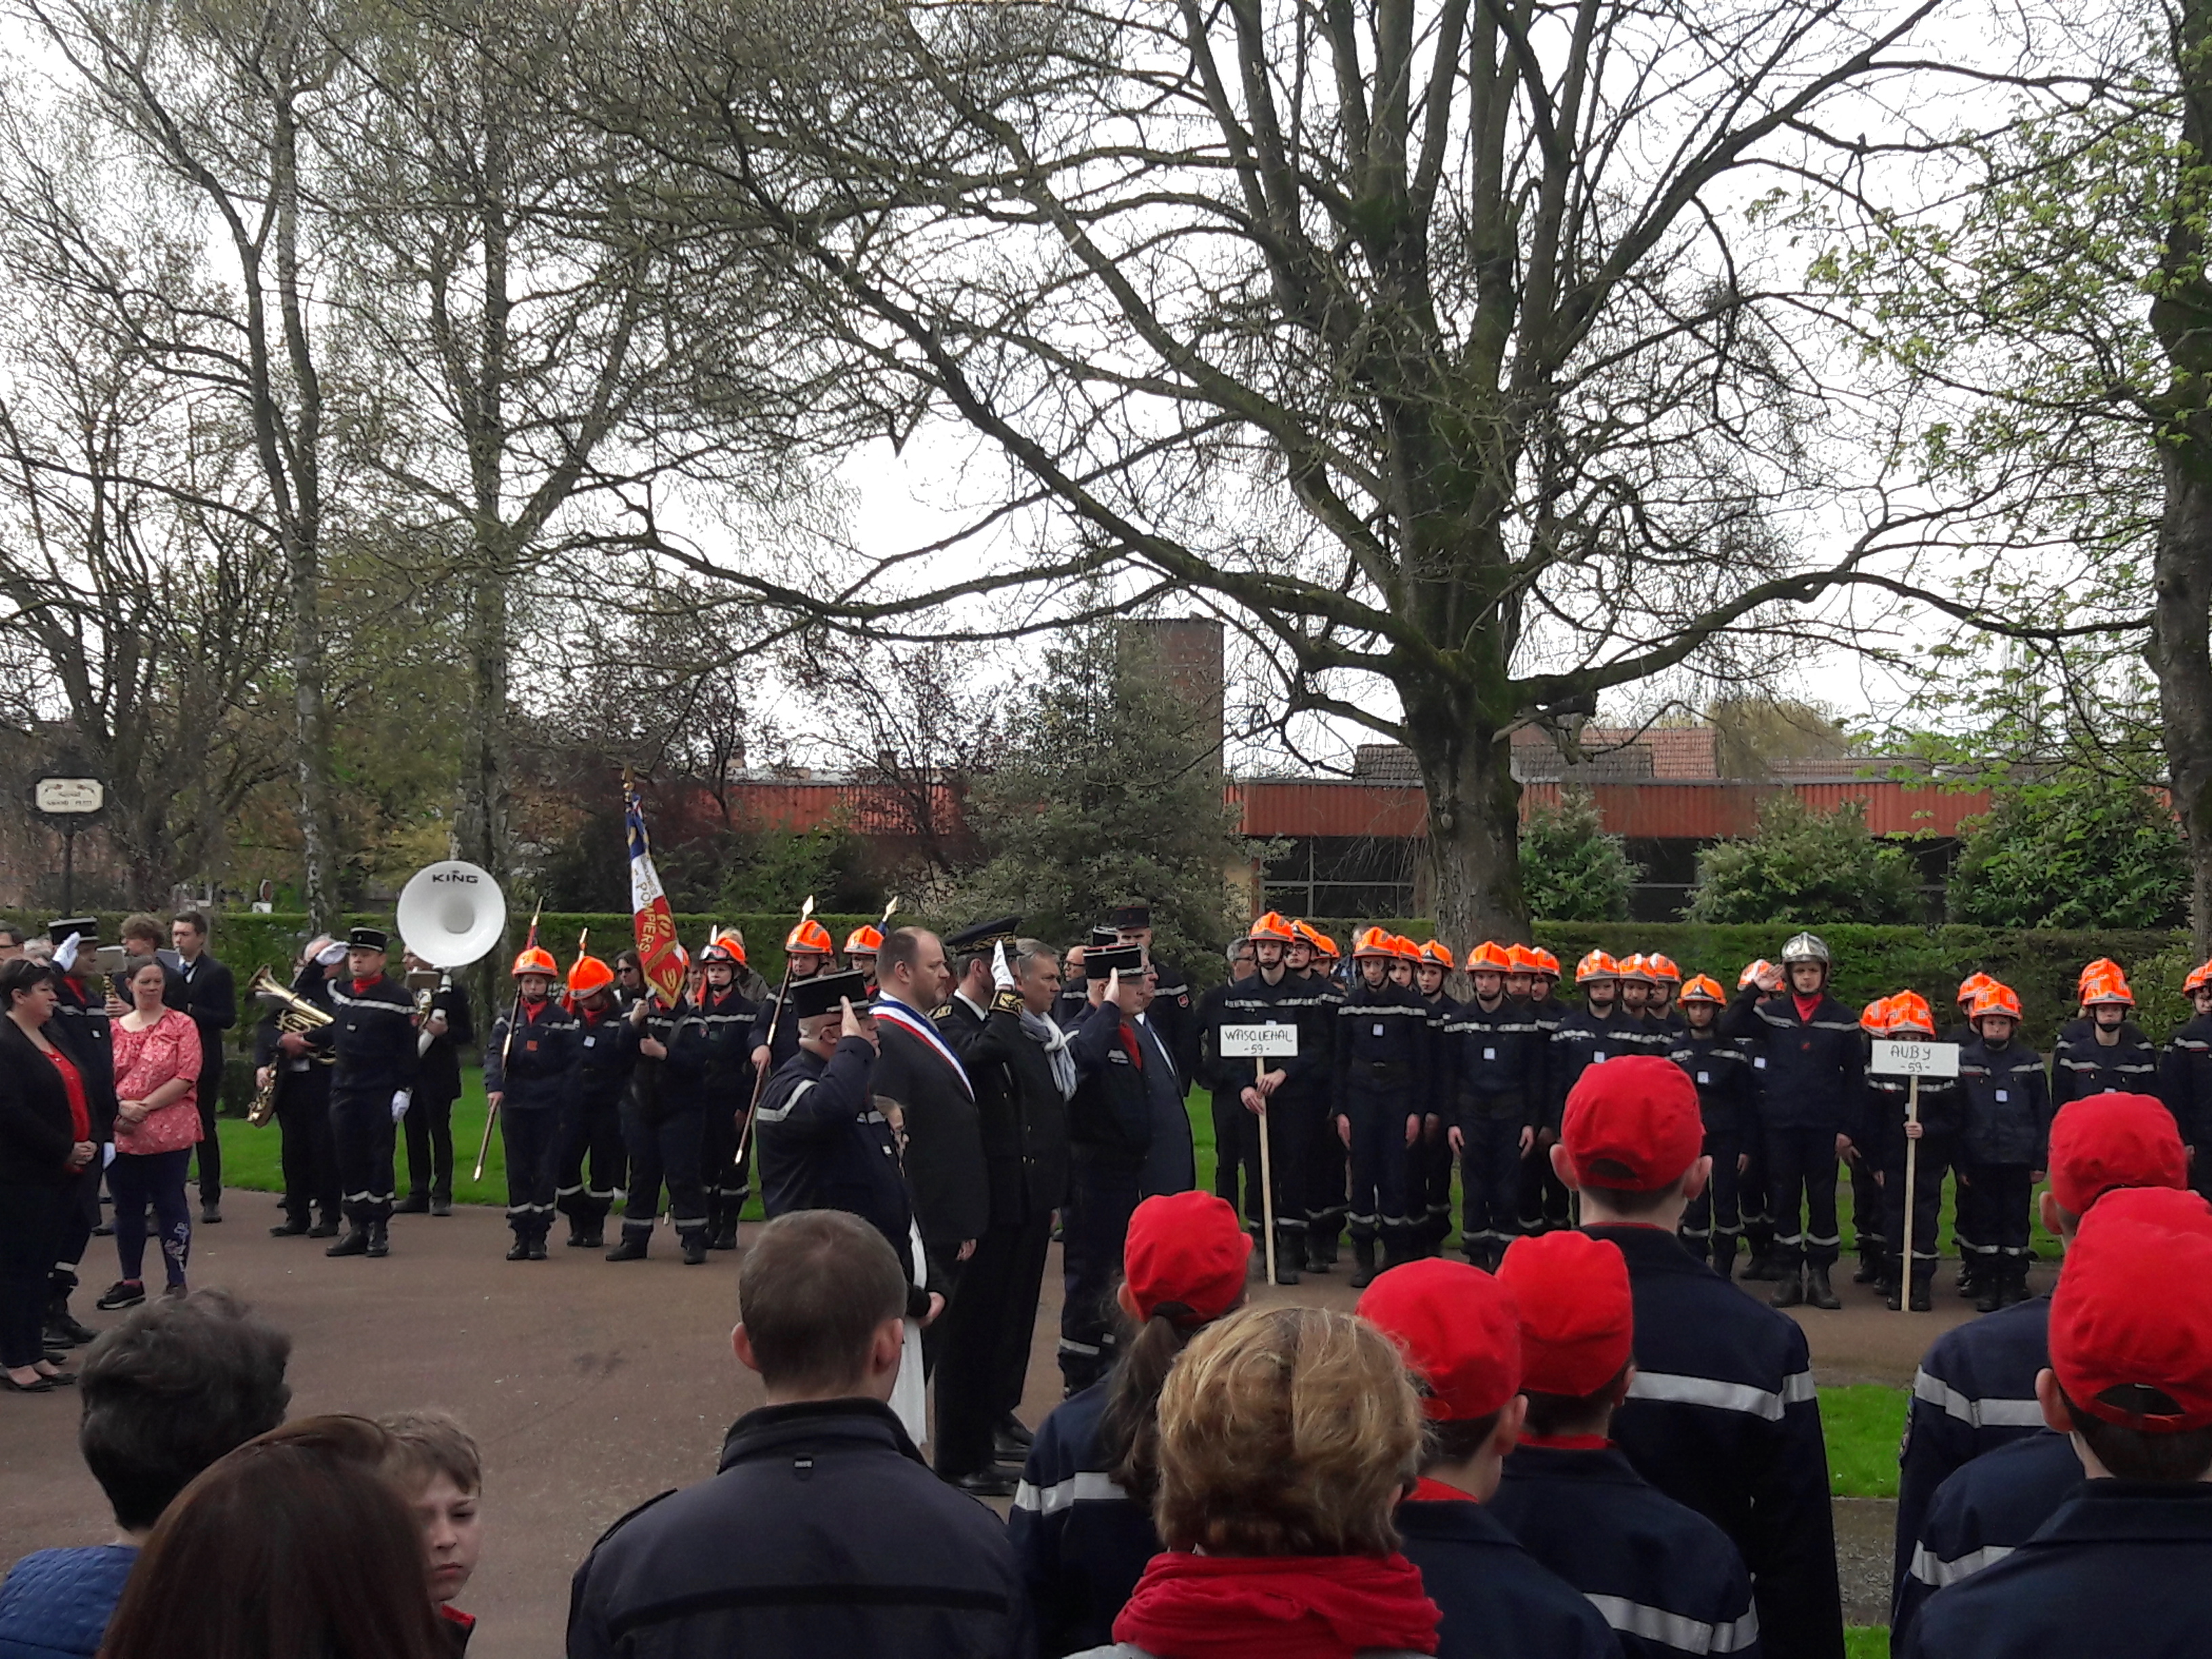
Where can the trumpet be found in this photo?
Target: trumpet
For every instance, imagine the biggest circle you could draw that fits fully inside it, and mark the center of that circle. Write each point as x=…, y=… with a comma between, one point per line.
x=294, y=1013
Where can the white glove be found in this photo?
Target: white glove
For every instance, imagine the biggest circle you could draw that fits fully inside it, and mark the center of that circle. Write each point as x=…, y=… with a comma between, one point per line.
x=106, y=1147
x=401, y=1099
x=65, y=952
x=329, y=956
x=1002, y=971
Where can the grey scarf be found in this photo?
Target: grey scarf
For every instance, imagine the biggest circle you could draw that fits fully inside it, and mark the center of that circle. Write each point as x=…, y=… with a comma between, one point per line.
x=1056, y=1050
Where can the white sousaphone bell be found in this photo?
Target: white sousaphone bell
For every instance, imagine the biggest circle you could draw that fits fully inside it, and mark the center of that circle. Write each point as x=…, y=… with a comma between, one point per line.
x=450, y=912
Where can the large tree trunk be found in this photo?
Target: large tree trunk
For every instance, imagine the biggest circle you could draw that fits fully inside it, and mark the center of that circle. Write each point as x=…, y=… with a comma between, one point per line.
x=1474, y=824
x=2180, y=654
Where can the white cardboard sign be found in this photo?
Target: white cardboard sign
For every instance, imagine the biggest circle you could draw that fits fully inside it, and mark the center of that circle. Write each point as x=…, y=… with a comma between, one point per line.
x=1915, y=1058
x=1258, y=1042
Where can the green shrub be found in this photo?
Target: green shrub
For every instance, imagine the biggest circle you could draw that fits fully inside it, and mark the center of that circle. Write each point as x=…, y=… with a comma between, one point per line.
x=1804, y=863
x=1569, y=867
x=2078, y=849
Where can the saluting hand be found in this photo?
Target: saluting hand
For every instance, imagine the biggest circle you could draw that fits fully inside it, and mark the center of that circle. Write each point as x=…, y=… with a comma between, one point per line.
x=1413, y=1127
x=850, y=1024
x=1344, y=1132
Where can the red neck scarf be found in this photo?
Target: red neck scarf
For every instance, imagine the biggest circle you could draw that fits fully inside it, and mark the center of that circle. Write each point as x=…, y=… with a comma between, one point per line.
x=1807, y=1007
x=1283, y=1607
x=361, y=988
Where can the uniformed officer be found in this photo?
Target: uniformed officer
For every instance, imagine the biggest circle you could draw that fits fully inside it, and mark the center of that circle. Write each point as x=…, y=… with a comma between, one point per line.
x=2185, y=1073
x=1975, y=1387
x=429, y=1126
x=1865, y=1167
x=1960, y=1032
x=1175, y=1005
x=2125, y=1566
x=806, y=951
x=1807, y=1049
x=862, y=946
x=1224, y=1080
x=1942, y=1117
x=1459, y=1331
x=661, y=1127
x=526, y=1080
x=1543, y=1197
x=2007, y=1111
x=726, y=1017
x=81, y=1025
x=1429, y=1161
x=1668, y=1581
x=1721, y=1414
x=1637, y=982
x=1381, y=1079
x=1751, y=1189
x=1490, y=1056
x=1275, y=1094
x=824, y=1142
x=371, y=1042
x=1727, y=1101
x=1324, y=1166
x=1981, y=1514
x=591, y=1117
x=2112, y=1054
x=1587, y=1036
x=303, y=1102
x=1659, y=1010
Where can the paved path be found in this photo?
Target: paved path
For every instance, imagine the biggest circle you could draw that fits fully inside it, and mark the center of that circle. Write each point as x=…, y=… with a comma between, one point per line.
x=592, y=1386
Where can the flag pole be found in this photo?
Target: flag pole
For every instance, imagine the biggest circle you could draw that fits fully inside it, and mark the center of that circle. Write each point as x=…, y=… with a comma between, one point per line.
x=514, y=1013
x=760, y=1077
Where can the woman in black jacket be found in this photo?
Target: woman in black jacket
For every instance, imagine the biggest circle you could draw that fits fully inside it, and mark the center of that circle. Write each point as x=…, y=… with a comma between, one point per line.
x=45, y=1141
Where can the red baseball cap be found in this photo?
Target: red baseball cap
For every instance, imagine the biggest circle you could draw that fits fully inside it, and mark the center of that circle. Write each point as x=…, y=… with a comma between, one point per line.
x=1185, y=1248
x=2113, y=1140
x=1577, y=1323
x=2134, y=1309
x=1639, y=1113
x=1459, y=1331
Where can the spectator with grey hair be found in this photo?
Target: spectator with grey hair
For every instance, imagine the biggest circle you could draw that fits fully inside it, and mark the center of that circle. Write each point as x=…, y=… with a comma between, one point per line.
x=823, y=1531
x=175, y=1386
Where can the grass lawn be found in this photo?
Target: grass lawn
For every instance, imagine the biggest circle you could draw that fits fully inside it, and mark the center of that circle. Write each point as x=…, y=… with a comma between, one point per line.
x=250, y=1155
x=1862, y=1425
x=1866, y=1642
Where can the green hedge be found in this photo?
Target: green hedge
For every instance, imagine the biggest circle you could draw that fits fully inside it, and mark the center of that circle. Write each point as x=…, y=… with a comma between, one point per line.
x=2041, y=964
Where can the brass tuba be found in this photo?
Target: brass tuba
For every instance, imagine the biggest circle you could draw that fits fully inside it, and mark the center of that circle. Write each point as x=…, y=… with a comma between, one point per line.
x=294, y=1013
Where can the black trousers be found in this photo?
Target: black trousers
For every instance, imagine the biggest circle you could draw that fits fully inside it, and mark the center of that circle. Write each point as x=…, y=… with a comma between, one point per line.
x=1868, y=1208
x=308, y=1149
x=1379, y=1205
x=1937, y=1153
x=1094, y=1229
x=986, y=1311
x=592, y=1130
x=1010, y=1369
x=1234, y=1182
x=1752, y=1204
x=1714, y=1222
x=1801, y=1178
x=209, y=1153
x=80, y=1214
x=532, y=1139
x=664, y=1149
x=1543, y=1205
x=429, y=1130
x=1998, y=1196
x=1428, y=1183
x=1490, y=1180
x=1323, y=1181
x=363, y=1133
x=728, y=1189
x=31, y=1221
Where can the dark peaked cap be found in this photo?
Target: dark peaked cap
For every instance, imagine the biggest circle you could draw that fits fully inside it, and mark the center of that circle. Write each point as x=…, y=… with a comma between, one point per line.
x=820, y=992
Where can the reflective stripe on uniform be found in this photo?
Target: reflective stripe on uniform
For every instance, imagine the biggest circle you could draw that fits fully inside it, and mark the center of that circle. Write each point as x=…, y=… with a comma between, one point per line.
x=777, y=1114
x=2001, y=1414
x=1676, y=1630
x=1087, y=1486
x=1796, y=1388
x=1938, y=1573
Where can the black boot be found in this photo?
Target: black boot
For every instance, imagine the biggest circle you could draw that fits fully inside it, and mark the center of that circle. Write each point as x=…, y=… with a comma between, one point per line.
x=695, y=1247
x=520, y=1251
x=1762, y=1266
x=576, y=1241
x=1290, y=1251
x=1819, y=1292
x=1989, y=1287
x=2015, y=1285
x=592, y=1236
x=289, y=1228
x=1724, y=1257
x=326, y=1227
x=536, y=1247
x=632, y=1246
x=355, y=1242
x=1790, y=1291
x=62, y=1327
x=1869, y=1269
x=724, y=1236
x=1363, y=1258
x=379, y=1241
x=1922, y=1301
x=413, y=1204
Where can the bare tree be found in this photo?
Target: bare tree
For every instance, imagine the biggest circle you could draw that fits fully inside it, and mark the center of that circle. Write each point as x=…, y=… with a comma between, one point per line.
x=1422, y=340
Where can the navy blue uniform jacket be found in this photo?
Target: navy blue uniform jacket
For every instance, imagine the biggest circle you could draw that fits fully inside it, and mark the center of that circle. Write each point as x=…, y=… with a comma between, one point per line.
x=606, y=1055
x=1382, y=1049
x=1983, y=1513
x=825, y=1146
x=1722, y=1416
x=1974, y=1392
x=2124, y=1569
x=823, y=1533
x=1812, y=1071
x=1083, y=1542
x=1493, y=1063
x=2082, y=1066
x=1728, y=1091
x=2008, y=1104
x=372, y=1037
x=1667, y=1580
x=530, y=1070
x=1498, y=1602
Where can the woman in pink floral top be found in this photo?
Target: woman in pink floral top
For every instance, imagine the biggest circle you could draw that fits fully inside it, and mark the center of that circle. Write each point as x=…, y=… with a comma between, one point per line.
x=157, y=1123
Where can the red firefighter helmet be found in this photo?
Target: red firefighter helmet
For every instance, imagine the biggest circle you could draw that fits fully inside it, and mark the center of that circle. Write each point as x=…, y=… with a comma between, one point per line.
x=1490, y=957
x=1437, y=952
x=863, y=941
x=1704, y=988
x=536, y=960
x=1909, y=1012
x=1271, y=926
x=810, y=936
x=1596, y=965
x=589, y=975
x=1996, y=998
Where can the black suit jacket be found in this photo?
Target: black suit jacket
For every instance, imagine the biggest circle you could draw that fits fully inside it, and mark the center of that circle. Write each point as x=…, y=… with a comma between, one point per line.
x=35, y=1136
x=944, y=1165
x=211, y=998
x=1020, y=1111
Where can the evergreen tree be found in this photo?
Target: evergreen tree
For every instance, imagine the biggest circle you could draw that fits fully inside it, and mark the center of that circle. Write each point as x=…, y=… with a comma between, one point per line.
x=1808, y=867
x=1574, y=871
